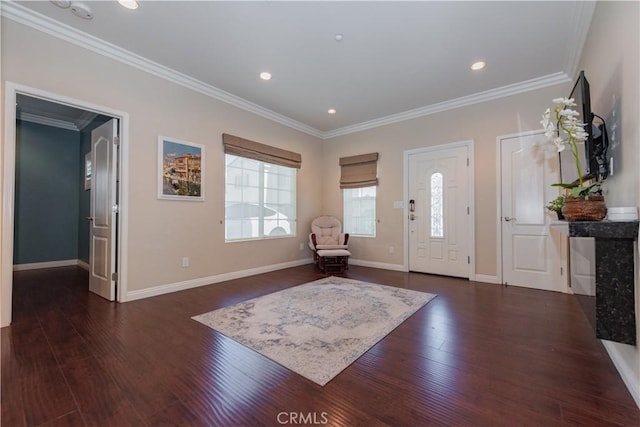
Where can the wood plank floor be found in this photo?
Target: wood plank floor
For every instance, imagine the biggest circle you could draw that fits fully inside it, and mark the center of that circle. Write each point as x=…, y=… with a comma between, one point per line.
x=477, y=355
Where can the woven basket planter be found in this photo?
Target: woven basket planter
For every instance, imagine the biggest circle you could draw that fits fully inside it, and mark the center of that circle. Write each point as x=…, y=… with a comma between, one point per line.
x=591, y=208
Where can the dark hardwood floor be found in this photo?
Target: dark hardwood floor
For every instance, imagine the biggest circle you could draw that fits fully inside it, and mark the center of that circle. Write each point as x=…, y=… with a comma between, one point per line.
x=477, y=355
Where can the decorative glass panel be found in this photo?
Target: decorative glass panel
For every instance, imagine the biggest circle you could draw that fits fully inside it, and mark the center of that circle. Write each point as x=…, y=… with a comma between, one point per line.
x=437, y=211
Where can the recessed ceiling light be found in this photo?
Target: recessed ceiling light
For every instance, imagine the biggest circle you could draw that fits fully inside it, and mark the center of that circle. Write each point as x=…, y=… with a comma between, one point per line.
x=129, y=4
x=339, y=37
x=265, y=76
x=478, y=65
x=331, y=111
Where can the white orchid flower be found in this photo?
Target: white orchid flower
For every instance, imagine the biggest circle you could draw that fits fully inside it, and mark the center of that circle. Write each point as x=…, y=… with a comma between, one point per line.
x=563, y=128
x=569, y=113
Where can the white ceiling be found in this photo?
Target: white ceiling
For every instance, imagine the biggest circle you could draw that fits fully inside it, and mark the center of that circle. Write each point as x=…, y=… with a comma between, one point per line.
x=397, y=59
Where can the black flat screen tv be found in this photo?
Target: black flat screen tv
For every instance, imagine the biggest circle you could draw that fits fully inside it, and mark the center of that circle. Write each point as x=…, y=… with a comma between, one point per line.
x=568, y=169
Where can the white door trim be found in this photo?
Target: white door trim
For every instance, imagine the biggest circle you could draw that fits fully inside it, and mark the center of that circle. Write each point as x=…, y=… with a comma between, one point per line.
x=11, y=90
x=471, y=201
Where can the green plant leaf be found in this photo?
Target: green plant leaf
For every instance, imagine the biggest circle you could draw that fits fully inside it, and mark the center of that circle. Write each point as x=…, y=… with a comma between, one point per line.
x=567, y=186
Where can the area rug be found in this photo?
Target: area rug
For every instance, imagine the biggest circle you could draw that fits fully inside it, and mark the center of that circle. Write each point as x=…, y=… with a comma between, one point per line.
x=319, y=328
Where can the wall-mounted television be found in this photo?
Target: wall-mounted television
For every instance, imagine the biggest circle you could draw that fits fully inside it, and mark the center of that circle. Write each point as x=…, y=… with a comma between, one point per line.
x=593, y=152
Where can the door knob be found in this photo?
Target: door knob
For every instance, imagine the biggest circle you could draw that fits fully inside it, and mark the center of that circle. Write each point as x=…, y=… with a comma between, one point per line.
x=89, y=218
x=508, y=218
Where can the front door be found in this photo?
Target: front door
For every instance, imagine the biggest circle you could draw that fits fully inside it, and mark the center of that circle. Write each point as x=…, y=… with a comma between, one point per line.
x=439, y=212
x=102, y=257
x=530, y=255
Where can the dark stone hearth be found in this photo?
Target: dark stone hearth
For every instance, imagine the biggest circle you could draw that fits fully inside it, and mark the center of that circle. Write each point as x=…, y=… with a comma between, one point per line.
x=605, y=229
x=615, y=299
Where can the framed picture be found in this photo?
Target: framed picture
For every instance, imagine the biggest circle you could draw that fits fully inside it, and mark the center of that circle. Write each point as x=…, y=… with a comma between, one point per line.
x=180, y=170
x=87, y=171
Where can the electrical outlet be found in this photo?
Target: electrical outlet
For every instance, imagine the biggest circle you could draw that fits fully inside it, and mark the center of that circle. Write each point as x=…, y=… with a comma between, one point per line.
x=301, y=246
x=392, y=249
x=185, y=262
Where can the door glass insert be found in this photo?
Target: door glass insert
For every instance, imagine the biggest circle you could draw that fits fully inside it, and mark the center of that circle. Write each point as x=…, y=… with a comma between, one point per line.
x=437, y=211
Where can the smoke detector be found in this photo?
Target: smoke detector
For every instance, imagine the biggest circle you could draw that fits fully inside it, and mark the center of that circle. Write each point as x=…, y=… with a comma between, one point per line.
x=81, y=10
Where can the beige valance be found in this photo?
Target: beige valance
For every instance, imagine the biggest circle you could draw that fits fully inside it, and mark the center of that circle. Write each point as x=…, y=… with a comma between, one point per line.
x=257, y=151
x=359, y=171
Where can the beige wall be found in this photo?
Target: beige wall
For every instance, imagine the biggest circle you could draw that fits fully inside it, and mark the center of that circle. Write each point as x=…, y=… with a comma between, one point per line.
x=161, y=232
x=611, y=59
x=481, y=123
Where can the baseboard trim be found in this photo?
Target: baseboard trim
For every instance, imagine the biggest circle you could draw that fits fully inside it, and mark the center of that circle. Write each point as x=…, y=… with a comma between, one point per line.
x=84, y=265
x=47, y=264
x=381, y=265
x=627, y=375
x=209, y=280
x=486, y=279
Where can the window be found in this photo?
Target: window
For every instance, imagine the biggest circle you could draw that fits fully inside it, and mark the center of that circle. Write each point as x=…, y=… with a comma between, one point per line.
x=437, y=215
x=260, y=199
x=360, y=211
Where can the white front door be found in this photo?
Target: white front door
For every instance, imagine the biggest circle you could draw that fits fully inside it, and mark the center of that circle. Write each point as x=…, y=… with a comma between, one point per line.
x=102, y=256
x=439, y=212
x=531, y=257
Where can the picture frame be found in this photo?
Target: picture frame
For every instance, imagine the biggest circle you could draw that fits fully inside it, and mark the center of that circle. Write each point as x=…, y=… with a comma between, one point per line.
x=180, y=170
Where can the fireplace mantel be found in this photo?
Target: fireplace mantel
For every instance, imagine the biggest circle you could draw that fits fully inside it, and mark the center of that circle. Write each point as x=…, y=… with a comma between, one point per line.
x=615, y=275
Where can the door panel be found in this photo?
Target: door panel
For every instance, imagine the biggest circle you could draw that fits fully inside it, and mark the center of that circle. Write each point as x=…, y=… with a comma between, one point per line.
x=530, y=253
x=103, y=215
x=530, y=257
x=438, y=183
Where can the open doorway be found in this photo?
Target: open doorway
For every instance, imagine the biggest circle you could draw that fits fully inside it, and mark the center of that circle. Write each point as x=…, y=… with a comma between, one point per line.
x=49, y=188
x=52, y=184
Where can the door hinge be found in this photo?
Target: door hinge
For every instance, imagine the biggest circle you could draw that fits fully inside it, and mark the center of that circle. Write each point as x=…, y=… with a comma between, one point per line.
x=561, y=271
x=114, y=277
x=467, y=161
x=115, y=209
x=468, y=260
x=116, y=141
x=468, y=210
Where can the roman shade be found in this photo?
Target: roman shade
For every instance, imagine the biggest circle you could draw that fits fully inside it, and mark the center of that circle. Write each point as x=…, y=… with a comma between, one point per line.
x=261, y=152
x=359, y=171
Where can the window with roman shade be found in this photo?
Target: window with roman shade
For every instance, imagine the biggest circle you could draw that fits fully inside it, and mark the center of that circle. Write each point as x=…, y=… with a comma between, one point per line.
x=260, y=190
x=358, y=180
x=264, y=153
x=359, y=171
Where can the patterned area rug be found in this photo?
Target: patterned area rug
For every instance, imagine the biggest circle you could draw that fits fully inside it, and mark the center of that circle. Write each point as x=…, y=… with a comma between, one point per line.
x=319, y=328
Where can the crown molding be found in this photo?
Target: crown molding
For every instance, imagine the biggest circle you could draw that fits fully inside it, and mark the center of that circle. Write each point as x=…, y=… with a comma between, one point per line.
x=46, y=121
x=35, y=20
x=581, y=23
x=85, y=118
x=489, y=95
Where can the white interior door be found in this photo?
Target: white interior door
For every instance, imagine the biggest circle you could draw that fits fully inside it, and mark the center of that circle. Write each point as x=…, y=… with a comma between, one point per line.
x=102, y=257
x=531, y=257
x=439, y=215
